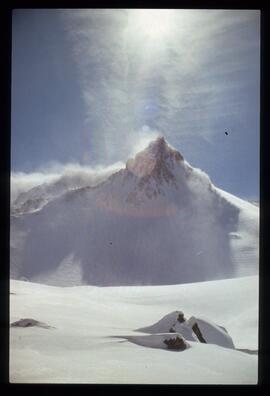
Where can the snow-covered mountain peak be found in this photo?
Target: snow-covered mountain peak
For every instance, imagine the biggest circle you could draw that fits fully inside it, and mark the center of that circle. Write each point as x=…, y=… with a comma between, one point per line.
x=157, y=159
x=157, y=221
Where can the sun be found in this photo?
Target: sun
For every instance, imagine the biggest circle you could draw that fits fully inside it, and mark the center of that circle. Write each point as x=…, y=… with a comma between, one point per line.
x=152, y=23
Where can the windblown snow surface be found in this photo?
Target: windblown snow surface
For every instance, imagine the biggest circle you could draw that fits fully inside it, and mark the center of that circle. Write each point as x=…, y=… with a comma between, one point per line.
x=87, y=342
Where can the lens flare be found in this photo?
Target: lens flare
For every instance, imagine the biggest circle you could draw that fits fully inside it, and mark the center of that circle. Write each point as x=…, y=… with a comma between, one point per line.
x=152, y=23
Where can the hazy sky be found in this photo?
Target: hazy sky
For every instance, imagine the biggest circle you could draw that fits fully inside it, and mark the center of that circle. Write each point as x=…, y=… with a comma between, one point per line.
x=92, y=86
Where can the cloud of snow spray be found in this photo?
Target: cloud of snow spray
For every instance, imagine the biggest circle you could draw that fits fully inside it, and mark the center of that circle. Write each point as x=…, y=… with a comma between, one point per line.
x=76, y=175
x=214, y=218
x=73, y=175
x=141, y=139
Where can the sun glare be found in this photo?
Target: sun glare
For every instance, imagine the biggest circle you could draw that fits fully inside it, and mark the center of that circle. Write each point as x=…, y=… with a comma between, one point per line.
x=152, y=23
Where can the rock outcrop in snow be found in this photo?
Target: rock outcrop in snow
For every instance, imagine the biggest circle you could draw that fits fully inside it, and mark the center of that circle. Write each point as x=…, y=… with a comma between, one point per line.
x=193, y=329
x=157, y=221
x=29, y=322
x=175, y=342
x=174, y=322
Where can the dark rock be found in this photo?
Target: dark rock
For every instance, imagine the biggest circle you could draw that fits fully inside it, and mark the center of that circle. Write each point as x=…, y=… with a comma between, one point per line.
x=28, y=322
x=181, y=318
x=176, y=343
x=198, y=333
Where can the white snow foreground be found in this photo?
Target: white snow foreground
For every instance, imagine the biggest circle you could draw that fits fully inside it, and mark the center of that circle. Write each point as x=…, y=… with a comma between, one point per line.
x=87, y=341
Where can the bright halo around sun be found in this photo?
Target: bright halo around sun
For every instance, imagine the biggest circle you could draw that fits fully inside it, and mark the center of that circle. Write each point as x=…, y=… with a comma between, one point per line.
x=153, y=23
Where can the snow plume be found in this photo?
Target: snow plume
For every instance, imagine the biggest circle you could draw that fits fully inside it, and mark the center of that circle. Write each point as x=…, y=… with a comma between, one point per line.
x=212, y=220
x=199, y=184
x=21, y=182
x=142, y=139
x=73, y=175
x=184, y=83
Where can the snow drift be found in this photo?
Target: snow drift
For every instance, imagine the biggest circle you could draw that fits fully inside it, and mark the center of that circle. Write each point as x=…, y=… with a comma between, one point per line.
x=156, y=221
x=90, y=325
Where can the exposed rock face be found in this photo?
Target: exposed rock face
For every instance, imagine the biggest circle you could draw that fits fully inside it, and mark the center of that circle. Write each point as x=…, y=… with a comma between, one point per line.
x=178, y=343
x=154, y=168
x=154, y=165
x=181, y=318
x=157, y=160
x=198, y=333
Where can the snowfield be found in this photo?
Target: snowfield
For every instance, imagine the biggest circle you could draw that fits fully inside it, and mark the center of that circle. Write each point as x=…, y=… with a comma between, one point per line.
x=93, y=337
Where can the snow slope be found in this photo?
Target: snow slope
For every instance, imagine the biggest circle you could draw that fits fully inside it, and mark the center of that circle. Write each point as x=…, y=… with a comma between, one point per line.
x=245, y=241
x=158, y=221
x=83, y=345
